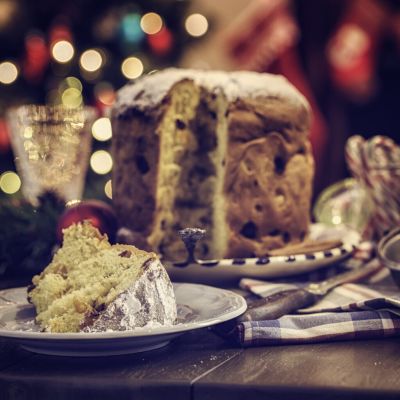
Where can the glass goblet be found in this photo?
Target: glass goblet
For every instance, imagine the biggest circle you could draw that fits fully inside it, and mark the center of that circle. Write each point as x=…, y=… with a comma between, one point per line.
x=51, y=145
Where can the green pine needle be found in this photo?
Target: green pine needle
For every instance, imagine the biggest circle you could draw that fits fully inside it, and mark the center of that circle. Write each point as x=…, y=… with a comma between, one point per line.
x=28, y=235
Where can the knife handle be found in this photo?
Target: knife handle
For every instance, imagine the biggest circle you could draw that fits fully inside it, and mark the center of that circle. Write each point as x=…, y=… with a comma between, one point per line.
x=277, y=305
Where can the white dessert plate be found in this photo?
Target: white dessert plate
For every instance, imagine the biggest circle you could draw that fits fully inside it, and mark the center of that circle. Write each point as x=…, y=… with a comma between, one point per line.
x=229, y=270
x=199, y=306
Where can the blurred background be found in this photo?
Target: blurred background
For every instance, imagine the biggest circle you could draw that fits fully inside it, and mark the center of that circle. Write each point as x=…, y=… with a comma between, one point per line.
x=343, y=55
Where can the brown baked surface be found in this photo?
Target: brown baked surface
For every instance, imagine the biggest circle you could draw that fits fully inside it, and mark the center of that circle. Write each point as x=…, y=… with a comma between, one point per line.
x=268, y=184
x=136, y=149
x=268, y=163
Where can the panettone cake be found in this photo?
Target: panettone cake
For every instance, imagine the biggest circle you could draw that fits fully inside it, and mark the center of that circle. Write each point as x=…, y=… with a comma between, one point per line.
x=93, y=286
x=224, y=151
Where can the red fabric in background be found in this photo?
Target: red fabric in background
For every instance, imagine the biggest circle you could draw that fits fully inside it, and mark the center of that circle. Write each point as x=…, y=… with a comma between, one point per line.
x=264, y=39
x=4, y=137
x=289, y=66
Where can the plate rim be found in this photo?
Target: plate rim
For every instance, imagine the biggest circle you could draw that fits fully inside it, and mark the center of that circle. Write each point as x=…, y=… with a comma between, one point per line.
x=138, y=333
x=266, y=267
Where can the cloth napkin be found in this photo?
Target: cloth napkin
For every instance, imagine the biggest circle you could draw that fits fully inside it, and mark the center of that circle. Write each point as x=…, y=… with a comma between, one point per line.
x=350, y=311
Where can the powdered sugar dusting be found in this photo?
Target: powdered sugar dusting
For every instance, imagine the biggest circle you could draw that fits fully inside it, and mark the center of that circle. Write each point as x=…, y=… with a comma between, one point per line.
x=150, y=90
x=148, y=303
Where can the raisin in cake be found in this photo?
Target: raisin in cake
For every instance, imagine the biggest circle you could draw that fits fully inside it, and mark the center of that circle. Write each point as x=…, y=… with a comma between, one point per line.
x=228, y=152
x=94, y=286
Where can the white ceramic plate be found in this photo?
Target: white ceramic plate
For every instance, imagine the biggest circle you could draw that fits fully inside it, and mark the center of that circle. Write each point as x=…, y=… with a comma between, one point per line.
x=217, y=271
x=199, y=306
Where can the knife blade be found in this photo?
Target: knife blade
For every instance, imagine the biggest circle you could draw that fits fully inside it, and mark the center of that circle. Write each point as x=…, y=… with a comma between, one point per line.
x=289, y=301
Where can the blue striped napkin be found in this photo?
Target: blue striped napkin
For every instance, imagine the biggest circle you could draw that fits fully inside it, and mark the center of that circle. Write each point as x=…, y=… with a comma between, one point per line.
x=350, y=311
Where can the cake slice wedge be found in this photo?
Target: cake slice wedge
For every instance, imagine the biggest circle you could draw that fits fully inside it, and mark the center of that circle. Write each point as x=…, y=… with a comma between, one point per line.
x=93, y=286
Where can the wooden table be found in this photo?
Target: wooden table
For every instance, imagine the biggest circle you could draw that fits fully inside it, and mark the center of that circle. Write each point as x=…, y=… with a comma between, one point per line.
x=200, y=365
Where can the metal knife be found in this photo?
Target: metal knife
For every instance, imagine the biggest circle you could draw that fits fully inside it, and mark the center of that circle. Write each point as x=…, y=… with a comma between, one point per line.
x=289, y=301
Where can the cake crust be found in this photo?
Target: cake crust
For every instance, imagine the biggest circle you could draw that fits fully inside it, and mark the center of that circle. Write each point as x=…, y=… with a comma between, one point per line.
x=103, y=288
x=269, y=173
x=259, y=192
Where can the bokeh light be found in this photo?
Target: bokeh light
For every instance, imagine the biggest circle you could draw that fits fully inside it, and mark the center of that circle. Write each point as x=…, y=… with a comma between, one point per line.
x=151, y=23
x=28, y=132
x=72, y=82
x=108, y=189
x=71, y=97
x=91, y=60
x=101, y=162
x=196, y=25
x=132, y=67
x=10, y=182
x=62, y=51
x=8, y=8
x=8, y=72
x=101, y=129
x=130, y=28
x=161, y=42
x=105, y=93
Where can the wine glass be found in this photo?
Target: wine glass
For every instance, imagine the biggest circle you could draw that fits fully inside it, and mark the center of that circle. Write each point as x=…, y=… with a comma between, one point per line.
x=51, y=145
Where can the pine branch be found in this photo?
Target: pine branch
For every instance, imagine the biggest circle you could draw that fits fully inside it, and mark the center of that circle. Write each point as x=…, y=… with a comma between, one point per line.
x=28, y=235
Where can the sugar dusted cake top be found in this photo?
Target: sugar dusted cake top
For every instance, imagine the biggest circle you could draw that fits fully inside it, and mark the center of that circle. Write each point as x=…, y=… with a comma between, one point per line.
x=149, y=91
x=102, y=287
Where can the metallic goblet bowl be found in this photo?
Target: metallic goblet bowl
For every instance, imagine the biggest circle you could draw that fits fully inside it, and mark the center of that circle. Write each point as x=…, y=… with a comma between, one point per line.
x=389, y=253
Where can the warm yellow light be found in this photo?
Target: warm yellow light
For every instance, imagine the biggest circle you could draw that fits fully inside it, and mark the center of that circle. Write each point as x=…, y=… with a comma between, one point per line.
x=91, y=60
x=71, y=97
x=62, y=51
x=196, y=25
x=73, y=82
x=101, y=162
x=8, y=72
x=8, y=9
x=132, y=67
x=108, y=189
x=101, y=129
x=10, y=182
x=28, y=131
x=151, y=23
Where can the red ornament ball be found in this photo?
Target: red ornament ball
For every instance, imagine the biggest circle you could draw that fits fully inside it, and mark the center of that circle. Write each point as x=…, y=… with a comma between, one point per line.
x=99, y=213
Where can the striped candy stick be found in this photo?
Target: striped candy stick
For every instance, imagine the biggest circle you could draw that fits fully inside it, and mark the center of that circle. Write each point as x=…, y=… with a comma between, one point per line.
x=354, y=153
x=376, y=164
x=383, y=155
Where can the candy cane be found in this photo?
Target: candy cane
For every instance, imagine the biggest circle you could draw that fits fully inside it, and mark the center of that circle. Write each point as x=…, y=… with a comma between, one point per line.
x=375, y=163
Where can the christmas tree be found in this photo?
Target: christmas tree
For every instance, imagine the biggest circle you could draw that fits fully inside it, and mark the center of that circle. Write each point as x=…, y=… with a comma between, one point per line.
x=79, y=53
x=76, y=53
